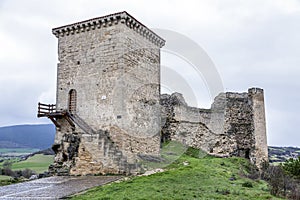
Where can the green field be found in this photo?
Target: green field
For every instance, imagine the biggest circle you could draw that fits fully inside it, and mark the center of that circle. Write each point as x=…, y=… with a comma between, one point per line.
x=4, y=178
x=38, y=163
x=202, y=178
x=17, y=150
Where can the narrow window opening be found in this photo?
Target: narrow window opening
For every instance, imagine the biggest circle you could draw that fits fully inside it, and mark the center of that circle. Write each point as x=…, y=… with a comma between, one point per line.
x=247, y=153
x=72, y=101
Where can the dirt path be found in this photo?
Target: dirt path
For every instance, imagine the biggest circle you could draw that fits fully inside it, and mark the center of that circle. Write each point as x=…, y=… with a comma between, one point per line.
x=53, y=187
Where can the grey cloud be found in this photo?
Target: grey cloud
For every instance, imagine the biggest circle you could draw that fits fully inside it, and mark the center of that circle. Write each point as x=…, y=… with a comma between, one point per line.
x=250, y=45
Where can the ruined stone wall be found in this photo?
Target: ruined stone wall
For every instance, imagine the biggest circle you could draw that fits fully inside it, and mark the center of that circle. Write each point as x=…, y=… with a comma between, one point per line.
x=234, y=126
x=239, y=124
x=256, y=96
x=191, y=126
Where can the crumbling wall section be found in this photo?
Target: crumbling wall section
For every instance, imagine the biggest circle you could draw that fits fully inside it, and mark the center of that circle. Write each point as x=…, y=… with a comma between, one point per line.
x=239, y=124
x=234, y=126
x=191, y=126
x=256, y=96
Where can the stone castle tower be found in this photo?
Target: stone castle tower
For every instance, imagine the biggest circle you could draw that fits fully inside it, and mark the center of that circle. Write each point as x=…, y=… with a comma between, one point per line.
x=108, y=93
x=110, y=115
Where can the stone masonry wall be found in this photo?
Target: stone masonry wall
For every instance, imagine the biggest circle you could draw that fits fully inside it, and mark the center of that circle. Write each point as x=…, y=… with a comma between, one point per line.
x=239, y=124
x=189, y=126
x=256, y=96
x=234, y=126
x=113, y=64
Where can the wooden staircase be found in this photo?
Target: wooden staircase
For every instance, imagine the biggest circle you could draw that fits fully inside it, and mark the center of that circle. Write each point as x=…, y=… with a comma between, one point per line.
x=50, y=111
x=80, y=123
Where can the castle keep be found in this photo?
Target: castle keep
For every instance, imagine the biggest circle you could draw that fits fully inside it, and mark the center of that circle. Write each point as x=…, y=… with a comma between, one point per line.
x=109, y=113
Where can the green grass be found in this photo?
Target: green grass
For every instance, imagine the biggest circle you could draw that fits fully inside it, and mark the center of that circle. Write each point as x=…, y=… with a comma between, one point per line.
x=38, y=163
x=4, y=178
x=204, y=178
x=7, y=180
x=12, y=160
x=17, y=150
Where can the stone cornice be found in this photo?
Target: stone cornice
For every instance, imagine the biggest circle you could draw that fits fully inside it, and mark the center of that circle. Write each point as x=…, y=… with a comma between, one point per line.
x=109, y=20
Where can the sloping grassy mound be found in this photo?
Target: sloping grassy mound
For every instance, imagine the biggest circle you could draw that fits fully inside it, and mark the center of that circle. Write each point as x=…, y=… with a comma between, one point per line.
x=188, y=178
x=38, y=163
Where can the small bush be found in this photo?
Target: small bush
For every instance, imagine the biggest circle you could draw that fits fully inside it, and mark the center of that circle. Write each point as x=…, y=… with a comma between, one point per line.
x=27, y=173
x=280, y=182
x=251, y=172
x=223, y=191
x=247, y=184
x=7, y=172
x=193, y=152
x=7, y=164
x=292, y=167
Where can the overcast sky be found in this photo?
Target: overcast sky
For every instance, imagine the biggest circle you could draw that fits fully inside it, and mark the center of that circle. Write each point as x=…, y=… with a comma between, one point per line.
x=253, y=43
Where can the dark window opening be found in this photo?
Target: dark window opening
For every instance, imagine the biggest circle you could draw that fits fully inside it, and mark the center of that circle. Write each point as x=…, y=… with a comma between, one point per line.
x=72, y=101
x=247, y=153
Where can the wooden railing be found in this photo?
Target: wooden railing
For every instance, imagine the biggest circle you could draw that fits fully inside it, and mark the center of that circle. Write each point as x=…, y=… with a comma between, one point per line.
x=49, y=110
x=44, y=110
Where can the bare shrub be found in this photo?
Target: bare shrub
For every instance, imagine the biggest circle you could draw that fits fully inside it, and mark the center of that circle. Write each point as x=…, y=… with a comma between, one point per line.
x=27, y=173
x=281, y=183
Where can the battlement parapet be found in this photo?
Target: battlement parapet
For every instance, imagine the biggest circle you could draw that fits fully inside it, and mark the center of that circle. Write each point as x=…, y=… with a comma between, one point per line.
x=110, y=20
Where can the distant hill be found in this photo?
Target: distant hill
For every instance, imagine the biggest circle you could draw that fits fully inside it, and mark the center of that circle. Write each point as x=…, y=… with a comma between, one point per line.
x=281, y=154
x=27, y=136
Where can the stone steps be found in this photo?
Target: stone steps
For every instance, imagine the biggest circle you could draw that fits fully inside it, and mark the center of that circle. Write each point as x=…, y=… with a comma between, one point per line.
x=111, y=155
x=98, y=150
x=118, y=157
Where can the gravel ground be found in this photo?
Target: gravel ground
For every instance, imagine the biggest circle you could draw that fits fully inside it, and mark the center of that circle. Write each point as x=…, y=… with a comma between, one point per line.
x=53, y=187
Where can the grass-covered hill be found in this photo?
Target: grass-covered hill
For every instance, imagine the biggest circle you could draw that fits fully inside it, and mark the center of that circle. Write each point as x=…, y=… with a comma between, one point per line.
x=38, y=163
x=189, y=177
x=27, y=136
